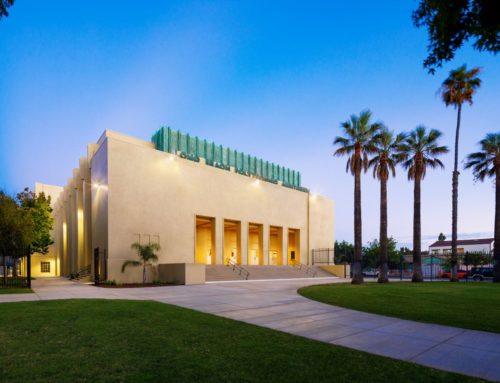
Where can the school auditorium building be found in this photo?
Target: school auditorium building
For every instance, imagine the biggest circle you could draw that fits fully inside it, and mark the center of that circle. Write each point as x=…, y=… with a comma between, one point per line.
x=201, y=202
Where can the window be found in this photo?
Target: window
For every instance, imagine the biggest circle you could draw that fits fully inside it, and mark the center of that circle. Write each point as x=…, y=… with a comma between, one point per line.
x=45, y=267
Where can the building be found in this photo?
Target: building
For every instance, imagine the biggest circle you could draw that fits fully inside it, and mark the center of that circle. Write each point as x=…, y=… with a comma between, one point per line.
x=202, y=203
x=482, y=245
x=46, y=265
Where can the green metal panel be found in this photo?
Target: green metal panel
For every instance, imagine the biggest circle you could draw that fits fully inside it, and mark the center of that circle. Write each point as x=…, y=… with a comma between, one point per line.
x=172, y=141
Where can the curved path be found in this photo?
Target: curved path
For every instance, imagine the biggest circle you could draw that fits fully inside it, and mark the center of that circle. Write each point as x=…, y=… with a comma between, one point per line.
x=276, y=304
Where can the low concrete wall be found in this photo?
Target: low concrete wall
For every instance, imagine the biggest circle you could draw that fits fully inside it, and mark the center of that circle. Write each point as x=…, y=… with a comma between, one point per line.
x=182, y=273
x=338, y=270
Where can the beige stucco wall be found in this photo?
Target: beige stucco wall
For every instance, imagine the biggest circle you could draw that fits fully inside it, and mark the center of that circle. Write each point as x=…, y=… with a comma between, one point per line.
x=37, y=259
x=142, y=194
x=54, y=192
x=149, y=194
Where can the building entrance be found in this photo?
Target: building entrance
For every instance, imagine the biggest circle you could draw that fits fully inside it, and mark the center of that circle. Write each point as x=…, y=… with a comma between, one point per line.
x=293, y=246
x=255, y=244
x=232, y=242
x=205, y=240
x=275, y=245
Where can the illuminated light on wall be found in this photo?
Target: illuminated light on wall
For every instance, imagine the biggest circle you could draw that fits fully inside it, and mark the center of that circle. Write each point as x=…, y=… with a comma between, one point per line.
x=256, y=182
x=313, y=196
x=99, y=186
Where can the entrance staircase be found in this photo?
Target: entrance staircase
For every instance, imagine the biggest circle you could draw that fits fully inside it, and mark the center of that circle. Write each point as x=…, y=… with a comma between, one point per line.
x=226, y=273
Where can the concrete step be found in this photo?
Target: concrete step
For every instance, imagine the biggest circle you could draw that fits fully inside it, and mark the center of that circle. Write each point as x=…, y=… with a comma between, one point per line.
x=225, y=273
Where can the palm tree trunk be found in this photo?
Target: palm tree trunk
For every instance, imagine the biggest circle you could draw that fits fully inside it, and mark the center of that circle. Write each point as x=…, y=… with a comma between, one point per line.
x=357, y=275
x=144, y=273
x=417, y=256
x=384, y=267
x=496, y=250
x=454, y=212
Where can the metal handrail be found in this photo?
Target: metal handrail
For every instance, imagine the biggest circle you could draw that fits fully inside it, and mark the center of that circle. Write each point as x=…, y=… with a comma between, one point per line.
x=82, y=272
x=308, y=270
x=237, y=268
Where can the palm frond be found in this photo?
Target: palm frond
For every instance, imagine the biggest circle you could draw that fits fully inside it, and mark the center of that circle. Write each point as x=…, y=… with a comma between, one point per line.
x=485, y=162
x=130, y=263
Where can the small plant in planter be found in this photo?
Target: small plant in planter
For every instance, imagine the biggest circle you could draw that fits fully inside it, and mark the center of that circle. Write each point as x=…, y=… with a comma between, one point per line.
x=147, y=256
x=111, y=282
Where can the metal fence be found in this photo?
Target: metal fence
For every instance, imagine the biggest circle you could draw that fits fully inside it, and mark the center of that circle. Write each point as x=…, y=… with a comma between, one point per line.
x=322, y=257
x=434, y=266
x=15, y=272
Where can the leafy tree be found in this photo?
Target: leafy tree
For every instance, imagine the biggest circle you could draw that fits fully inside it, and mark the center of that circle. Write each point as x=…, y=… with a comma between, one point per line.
x=475, y=259
x=458, y=88
x=146, y=255
x=357, y=143
x=486, y=163
x=452, y=23
x=442, y=237
x=15, y=230
x=4, y=4
x=419, y=152
x=384, y=164
x=38, y=207
x=344, y=252
x=372, y=258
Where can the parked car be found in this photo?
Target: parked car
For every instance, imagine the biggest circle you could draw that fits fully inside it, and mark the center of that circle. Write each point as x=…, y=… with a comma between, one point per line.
x=481, y=273
x=460, y=274
x=371, y=273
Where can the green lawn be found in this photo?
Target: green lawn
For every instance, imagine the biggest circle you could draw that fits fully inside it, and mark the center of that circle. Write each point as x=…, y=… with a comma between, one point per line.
x=15, y=291
x=469, y=305
x=134, y=341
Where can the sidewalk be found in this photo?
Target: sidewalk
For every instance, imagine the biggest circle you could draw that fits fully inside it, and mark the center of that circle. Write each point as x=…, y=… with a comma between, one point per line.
x=276, y=304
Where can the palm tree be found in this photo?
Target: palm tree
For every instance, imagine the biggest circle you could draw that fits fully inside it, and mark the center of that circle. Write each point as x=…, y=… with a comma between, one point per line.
x=486, y=163
x=458, y=88
x=146, y=254
x=418, y=152
x=384, y=164
x=357, y=143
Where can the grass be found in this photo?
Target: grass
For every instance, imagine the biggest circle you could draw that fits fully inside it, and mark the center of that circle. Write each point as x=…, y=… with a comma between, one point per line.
x=468, y=305
x=23, y=290
x=143, y=341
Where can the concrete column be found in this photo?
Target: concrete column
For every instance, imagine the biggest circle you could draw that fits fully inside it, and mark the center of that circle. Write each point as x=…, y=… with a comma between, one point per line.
x=244, y=242
x=80, y=226
x=66, y=231
x=219, y=241
x=284, y=246
x=87, y=221
x=74, y=230
x=265, y=244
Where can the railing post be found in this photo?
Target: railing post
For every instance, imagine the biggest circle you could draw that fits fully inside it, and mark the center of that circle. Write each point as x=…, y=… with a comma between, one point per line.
x=401, y=267
x=432, y=266
x=96, y=265
x=28, y=265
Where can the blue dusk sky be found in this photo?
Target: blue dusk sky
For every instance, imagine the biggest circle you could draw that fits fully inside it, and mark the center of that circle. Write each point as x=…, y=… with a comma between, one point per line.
x=271, y=78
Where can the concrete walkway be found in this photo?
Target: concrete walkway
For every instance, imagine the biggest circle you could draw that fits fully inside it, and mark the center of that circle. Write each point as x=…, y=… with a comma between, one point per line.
x=276, y=304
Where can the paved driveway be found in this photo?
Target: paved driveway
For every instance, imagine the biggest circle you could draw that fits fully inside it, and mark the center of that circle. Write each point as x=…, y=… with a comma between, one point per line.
x=276, y=304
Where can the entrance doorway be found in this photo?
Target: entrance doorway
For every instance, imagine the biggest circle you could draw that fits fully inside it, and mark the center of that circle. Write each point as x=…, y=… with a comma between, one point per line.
x=293, y=246
x=275, y=245
x=205, y=240
x=232, y=242
x=255, y=244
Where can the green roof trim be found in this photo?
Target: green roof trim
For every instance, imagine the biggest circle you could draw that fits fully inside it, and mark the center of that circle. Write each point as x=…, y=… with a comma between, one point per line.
x=172, y=141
